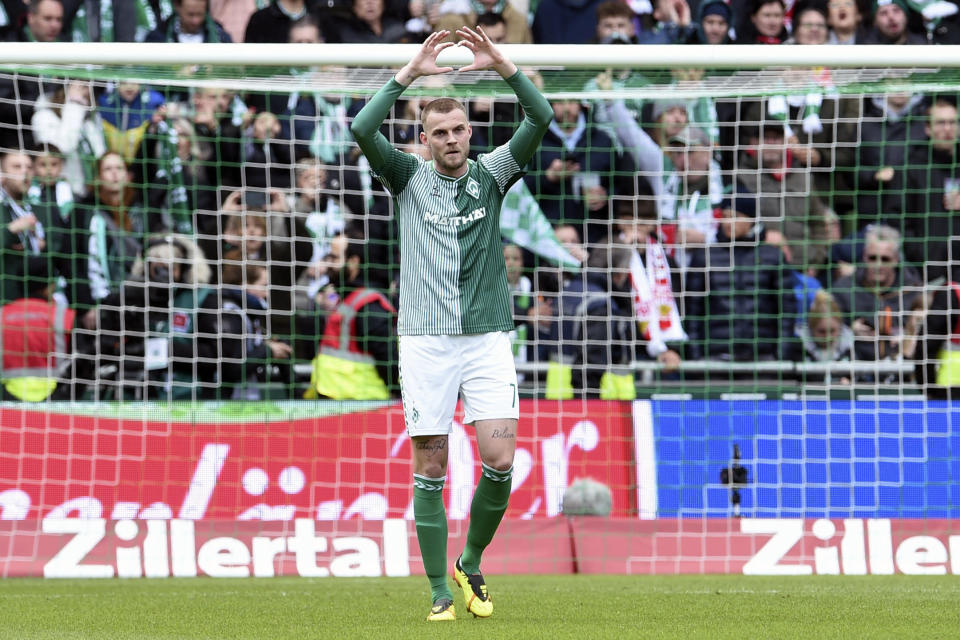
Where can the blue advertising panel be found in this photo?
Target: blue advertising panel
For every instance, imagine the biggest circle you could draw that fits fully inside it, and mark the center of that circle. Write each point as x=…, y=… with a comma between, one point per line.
x=819, y=459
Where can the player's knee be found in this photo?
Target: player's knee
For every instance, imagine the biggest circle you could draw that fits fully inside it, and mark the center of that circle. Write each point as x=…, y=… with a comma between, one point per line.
x=500, y=462
x=431, y=469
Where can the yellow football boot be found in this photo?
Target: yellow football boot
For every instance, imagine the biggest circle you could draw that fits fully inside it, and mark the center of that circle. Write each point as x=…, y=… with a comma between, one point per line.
x=474, y=592
x=442, y=611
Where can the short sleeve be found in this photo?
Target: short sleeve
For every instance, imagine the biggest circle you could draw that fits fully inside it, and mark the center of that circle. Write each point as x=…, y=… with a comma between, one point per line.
x=502, y=166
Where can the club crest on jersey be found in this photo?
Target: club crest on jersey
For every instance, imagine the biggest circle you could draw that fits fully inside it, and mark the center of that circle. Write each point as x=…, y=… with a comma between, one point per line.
x=473, y=187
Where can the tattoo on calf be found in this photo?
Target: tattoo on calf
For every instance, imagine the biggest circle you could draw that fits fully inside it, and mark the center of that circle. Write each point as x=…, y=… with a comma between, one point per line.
x=432, y=446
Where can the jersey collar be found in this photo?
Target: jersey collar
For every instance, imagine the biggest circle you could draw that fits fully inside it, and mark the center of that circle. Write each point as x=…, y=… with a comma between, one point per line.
x=470, y=164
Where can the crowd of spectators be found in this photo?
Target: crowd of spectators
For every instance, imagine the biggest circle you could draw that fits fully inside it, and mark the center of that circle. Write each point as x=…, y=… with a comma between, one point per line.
x=201, y=238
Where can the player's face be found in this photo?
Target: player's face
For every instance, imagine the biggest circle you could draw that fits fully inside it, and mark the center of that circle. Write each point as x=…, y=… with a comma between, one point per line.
x=46, y=22
x=769, y=19
x=448, y=137
x=715, y=29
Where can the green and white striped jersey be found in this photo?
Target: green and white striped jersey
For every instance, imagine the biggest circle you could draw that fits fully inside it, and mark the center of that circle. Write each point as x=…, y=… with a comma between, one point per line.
x=452, y=275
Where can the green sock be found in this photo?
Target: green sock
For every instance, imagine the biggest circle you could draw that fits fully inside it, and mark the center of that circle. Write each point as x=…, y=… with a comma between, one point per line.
x=431, y=520
x=486, y=511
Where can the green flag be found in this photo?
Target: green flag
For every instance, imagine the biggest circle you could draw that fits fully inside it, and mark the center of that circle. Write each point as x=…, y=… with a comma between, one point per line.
x=522, y=222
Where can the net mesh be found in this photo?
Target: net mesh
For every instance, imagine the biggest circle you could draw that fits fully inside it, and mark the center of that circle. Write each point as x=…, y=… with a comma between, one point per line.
x=195, y=223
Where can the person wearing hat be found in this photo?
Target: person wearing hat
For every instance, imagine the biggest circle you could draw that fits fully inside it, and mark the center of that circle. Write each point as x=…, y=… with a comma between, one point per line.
x=691, y=153
x=740, y=303
x=34, y=336
x=713, y=27
x=891, y=24
x=680, y=169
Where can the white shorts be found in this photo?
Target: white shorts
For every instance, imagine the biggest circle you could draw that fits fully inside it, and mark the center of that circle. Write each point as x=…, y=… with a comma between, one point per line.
x=435, y=369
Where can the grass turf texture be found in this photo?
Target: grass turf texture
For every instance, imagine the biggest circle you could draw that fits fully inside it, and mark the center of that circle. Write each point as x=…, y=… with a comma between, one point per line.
x=554, y=607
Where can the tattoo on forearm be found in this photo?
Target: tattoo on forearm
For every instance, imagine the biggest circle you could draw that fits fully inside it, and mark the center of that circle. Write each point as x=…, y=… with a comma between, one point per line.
x=502, y=435
x=432, y=447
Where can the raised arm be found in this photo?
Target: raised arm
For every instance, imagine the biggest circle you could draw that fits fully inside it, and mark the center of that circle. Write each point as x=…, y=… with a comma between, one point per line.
x=537, y=111
x=366, y=126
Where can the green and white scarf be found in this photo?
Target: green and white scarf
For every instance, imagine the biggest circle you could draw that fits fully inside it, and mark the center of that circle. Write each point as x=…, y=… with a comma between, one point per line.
x=778, y=108
x=146, y=21
x=331, y=135
x=170, y=171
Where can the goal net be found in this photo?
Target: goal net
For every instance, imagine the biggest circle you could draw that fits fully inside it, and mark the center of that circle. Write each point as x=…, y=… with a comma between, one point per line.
x=732, y=282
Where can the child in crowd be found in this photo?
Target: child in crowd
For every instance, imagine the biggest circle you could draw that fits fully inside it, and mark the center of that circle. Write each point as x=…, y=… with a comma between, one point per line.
x=68, y=119
x=51, y=200
x=824, y=335
x=248, y=232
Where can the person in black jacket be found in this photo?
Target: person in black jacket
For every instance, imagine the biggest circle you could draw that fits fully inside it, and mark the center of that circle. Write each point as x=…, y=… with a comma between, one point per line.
x=876, y=296
x=368, y=23
x=191, y=22
x=894, y=23
x=595, y=319
x=890, y=123
x=933, y=196
x=571, y=174
x=237, y=313
x=933, y=338
x=150, y=329
x=42, y=21
x=740, y=304
x=272, y=23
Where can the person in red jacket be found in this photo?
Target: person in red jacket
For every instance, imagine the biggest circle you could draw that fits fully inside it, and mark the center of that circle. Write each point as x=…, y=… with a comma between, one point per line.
x=34, y=337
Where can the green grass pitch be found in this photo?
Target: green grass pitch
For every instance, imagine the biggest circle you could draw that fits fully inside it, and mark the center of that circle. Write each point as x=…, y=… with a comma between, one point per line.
x=553, y=607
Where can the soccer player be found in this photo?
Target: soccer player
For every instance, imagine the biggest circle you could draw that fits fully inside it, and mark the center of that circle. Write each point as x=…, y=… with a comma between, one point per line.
x=455, y=310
